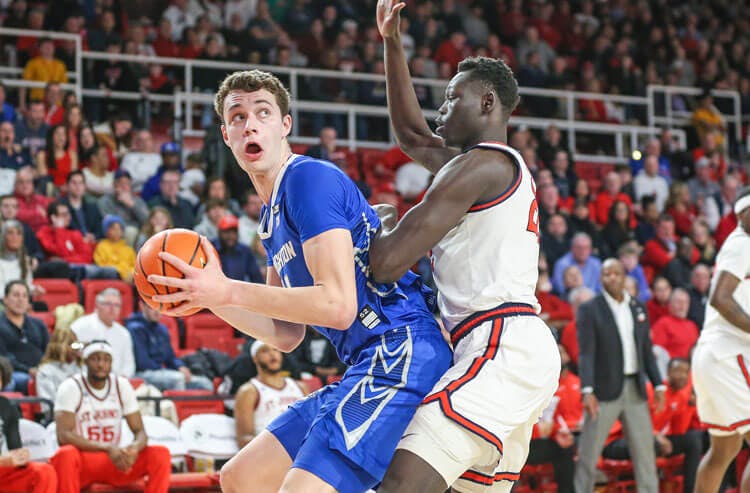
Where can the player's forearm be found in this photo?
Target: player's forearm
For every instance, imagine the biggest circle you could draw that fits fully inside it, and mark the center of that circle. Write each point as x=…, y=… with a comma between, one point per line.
x=72, y=438
x=310, y=305
x=140, y=440
x=732, y=312
x=403, y=106
x=285, y=336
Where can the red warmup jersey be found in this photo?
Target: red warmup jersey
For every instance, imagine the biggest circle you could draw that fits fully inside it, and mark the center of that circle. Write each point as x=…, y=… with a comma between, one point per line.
x=569, y=408
x=603, y=203
x=656, y=310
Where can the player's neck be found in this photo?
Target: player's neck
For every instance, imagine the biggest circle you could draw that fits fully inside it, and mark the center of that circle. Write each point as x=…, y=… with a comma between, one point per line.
x=96, y=383
x=264, y=182
x=490, y=135
x=275, y=380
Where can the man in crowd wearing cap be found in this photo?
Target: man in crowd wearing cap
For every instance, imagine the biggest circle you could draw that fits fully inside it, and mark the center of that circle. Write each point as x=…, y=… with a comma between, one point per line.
x=126, y=204
x=17, y=473
x=170, y=157
x=155, y=360
x=720, y=360
x=237, y=260
x=183, y=215
x=141, y=162
x=263, y=398
x=102, y=325
x=113, y=251
x=84, y=214
x=89, y=409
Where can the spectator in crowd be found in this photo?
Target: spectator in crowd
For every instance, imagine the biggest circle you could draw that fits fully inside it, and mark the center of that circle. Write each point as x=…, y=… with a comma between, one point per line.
x=555, y=241
x=579, y=255
x=702, y=186
x=248, y=220
x=105, y=33
x=708, y=119
x=7, y=110
x=57, y=160
x=23, y=339
x=645, y=230
x=265, y=397
x=616, y=361
x=170, y=161
x=674, y=331
x=316, y=357
x=653, y=149
x=612, y=192
x=551, y=144
x=112, y=250
x=179, y=209
x=532, y=43
x=237, y=260
x=15, y=261
x=678, y=270
x=658, y=305
x=12, y=155
x=552, y=439
x=572, y=279
x=97, y=175
x=102, y=325
x=88, y=430
x=141, y=162
x=680, y=208
x=216, y=209
x=88, y=144
x=124, y=203
x=73, y=123
x=61, y=360
x=327, y=149
x=617, y=231
x=8, y=212
x=628, y=255
x=662, y=248
x=155, y=360
x=650, y=182
x=569, y=336
x=85, y=215
x=42, y=68
x=700, y=282
x=17, y=472
x=563, y=175
x=31, y=131
x=554, y=311
x=720, y=205
x=32, y=207
x=216, y=188
x=53, y=107
x=158, y=220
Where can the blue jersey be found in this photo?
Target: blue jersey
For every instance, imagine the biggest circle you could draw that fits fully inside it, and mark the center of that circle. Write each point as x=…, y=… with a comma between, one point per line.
x=311, y=197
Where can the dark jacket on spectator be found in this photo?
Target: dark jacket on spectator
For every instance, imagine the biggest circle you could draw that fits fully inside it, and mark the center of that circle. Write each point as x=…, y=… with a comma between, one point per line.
x=181, y=212
x=239, y=263
x=151, y=344
x=24, y=347
x=87, y=219
x=316, y=351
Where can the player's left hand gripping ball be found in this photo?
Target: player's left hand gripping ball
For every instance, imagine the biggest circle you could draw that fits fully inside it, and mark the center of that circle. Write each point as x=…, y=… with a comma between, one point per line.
x=200, y=288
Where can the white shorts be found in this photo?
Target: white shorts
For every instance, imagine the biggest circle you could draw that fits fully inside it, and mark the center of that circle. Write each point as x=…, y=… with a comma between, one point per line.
x=474, y=427
x=722, y=391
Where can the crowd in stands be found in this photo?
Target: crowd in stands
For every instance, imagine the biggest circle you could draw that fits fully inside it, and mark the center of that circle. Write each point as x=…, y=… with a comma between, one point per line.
x=83, y=185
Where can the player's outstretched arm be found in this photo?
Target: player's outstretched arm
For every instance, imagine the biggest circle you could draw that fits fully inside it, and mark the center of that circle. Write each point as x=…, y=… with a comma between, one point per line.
x=412, y=132
x=723, y=301
x=450, y=196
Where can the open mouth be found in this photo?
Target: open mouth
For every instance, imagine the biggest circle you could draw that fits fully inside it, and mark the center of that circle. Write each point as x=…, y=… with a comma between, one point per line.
x=253, y=150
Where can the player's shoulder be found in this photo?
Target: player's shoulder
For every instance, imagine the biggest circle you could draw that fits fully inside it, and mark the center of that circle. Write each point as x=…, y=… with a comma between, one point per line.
x=247, y=389
x=311, y=173
x=737, y=239
x=122, y=383
x=69, y=385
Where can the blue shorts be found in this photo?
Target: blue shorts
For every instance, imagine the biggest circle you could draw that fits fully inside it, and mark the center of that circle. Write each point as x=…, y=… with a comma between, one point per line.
x=347, y=432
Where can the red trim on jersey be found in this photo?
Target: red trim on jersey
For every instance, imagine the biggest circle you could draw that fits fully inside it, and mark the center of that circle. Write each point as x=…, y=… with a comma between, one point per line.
x=443, y=396
x=486, y=479
x=504, y=310
x=117, y=387
x=80, y=399
x=731, y=427
x=508, y=191
x=741, y=362
x=109, y=387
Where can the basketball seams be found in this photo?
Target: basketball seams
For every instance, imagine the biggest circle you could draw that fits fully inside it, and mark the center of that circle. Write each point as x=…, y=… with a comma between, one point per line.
x=145, y=276
x=164, y=264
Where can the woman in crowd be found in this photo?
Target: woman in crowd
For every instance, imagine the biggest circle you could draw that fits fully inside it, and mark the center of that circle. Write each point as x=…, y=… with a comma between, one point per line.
x=158, y=220
x=57, y=159
x=617, y=232
x=216, y=188
x=99, y=179
x=15, y=262
x=73, y=122
x=680, y=208
x=87, y=142
x=62, y=359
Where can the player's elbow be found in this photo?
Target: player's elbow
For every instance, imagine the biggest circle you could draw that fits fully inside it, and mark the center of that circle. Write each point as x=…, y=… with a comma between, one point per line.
x=290, y=342
x=383, y=267
x=343, y=314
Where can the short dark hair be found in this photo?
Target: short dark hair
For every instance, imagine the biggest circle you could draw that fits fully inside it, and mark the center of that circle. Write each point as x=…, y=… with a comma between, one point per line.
x=6, y=371
x=214, y=202
x=497, y=75
x=15, y=282
x=665, y=218
x=647, y=200
x=73, y=173
x=251, y=81
x=53, y=206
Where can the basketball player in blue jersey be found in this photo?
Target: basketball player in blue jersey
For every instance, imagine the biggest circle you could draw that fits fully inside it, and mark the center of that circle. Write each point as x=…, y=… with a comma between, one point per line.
x=317, y=229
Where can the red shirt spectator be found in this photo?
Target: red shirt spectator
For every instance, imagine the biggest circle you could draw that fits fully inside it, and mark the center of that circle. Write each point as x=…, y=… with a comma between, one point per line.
x=727, y=224
x=674, y=331
x=569, y=340
x=611, y=194
x=32, y=207
x=662, y=248
x=570, y=406
x=163, y=44
x=452, y=50
x=555, y=311
x=59, y=241
x=658, y=306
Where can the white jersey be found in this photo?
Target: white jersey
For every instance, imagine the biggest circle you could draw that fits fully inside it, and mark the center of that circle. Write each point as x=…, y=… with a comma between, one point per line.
x=98, y=413
x=723, y=338
x=491, y=256
x=272, y=401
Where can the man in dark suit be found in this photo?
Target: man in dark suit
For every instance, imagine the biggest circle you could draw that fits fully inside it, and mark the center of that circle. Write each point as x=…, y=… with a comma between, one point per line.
x=84, y=213
x=615, y=361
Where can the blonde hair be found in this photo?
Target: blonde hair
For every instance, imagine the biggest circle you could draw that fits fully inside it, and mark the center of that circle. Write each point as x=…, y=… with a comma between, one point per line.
x=148, y=229
x=58, y=347
x=251, y=81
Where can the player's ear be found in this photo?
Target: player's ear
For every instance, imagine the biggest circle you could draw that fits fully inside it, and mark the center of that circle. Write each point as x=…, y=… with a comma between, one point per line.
x=286, y=124
x=224, y=135
x=488, y=101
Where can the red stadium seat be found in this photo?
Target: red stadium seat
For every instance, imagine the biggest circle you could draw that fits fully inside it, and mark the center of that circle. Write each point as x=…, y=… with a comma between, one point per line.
x=27, y=410
x=92, y=287
x=136, y=382
x=203, y=328
x=299, y=148
x=58, y=292
x=47, y=317
x=312, y=384
x=185, y=409
x=193, y=481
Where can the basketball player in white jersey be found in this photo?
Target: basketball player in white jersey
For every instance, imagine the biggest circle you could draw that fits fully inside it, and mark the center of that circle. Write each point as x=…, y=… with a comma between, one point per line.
x=265, y=397
x=88, y=413
x=721, y=360
x=480, y=220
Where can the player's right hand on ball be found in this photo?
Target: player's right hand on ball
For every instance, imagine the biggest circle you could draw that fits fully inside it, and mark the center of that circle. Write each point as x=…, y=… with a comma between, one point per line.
x=389, y=18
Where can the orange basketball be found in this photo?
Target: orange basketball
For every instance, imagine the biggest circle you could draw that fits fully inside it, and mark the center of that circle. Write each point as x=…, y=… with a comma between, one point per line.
x=182, y=243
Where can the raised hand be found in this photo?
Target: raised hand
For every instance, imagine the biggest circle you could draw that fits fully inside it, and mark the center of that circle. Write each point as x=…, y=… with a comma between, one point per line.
x=388, y=17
